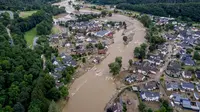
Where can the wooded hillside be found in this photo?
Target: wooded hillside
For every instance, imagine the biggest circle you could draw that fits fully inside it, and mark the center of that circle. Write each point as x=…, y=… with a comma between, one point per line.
x=23, y=4
x=186, y=10
x=140, y=1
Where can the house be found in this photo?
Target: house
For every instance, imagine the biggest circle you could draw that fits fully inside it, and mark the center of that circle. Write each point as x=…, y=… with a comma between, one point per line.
x=187, y=86
x=80, y=51
x=130, y=79
x=197, y=74
x=102, y=51
x=102, y=33
x=171, y=86
x=173, y=69
x=187, y=74
x=54, y=38
x=168, y=36
x=187, y=60
x=186, y=104
x=177, y=98
x=151, y=85
x=196, y=95
x=150, y=96
x=135, y=88
x=153, y=70
x=145, y=67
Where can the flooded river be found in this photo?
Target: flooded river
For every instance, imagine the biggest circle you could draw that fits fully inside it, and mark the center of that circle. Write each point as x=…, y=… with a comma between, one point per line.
x=91, y=91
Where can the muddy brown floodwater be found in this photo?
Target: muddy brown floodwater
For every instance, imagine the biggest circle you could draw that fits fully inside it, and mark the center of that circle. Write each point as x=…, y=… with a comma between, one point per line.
x=91, y=91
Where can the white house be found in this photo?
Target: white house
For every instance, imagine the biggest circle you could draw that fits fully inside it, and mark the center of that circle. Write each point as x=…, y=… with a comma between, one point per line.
x=187, y=74
x=187, y=86
x=150, y=96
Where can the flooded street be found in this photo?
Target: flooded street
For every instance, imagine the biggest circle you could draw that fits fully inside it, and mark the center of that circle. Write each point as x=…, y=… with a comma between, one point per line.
x=91, y=91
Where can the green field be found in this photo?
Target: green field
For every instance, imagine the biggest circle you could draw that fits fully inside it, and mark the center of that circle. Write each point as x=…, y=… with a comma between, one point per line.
x=29, y=36
x=25, y=14
x=55, y=30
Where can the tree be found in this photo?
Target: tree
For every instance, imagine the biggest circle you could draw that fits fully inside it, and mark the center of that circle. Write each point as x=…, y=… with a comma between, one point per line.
x=90, y=45
x=142, y=107
x=19, y=107
x=140, y=52
x=196, y=55
x=119, y=60
x=130, y=62
x=143, y=46
x=99, y=46
x=169, y=27
x=125, y=38
x=77, y=7
x=114, y=68
x=64, y=91
x=110, y=14
x=137, y=52
x=149, y=110
x=146, y=21
x=53, y=94
x=103, y=13
x=5, y=18
x=53, y=107
x=83, y=60
x=189, y=51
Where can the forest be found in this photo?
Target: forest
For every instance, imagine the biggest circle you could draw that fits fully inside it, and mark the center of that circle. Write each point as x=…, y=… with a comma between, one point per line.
x=25, y=86
x=139, y=1
x=185, y=10
x=23, y=4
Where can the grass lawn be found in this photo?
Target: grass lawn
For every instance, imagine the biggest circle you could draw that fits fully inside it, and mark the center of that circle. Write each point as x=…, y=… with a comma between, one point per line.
x=29, y=36
x=55, y=30
x=25, y=14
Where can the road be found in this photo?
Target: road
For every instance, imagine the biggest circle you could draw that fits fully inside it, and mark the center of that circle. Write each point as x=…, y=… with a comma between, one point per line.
x=9, y=12
x=11, y=39
x=93, y=90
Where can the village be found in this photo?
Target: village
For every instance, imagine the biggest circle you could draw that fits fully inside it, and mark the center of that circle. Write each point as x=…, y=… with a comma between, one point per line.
x=170, y=72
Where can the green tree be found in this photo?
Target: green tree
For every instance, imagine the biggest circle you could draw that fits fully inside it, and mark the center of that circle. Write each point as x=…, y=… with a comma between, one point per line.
x=90, y=45
x=110, y=14
x=114, y=68
x=196, y=55
x=8, y=109
x=142, y=107
x=103, y=13
x=125, y=38
x=53, y=107
x=19, y=107
x=77, y=7
x=83, y=60
x=64, y=91
x=149, y=110
x=54, y=94
x=189, y=51
x=146, y=20
x=119, y=60
x=130, y=62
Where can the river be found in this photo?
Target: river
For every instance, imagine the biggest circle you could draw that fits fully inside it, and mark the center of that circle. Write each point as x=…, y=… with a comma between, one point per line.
x=91, y=91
